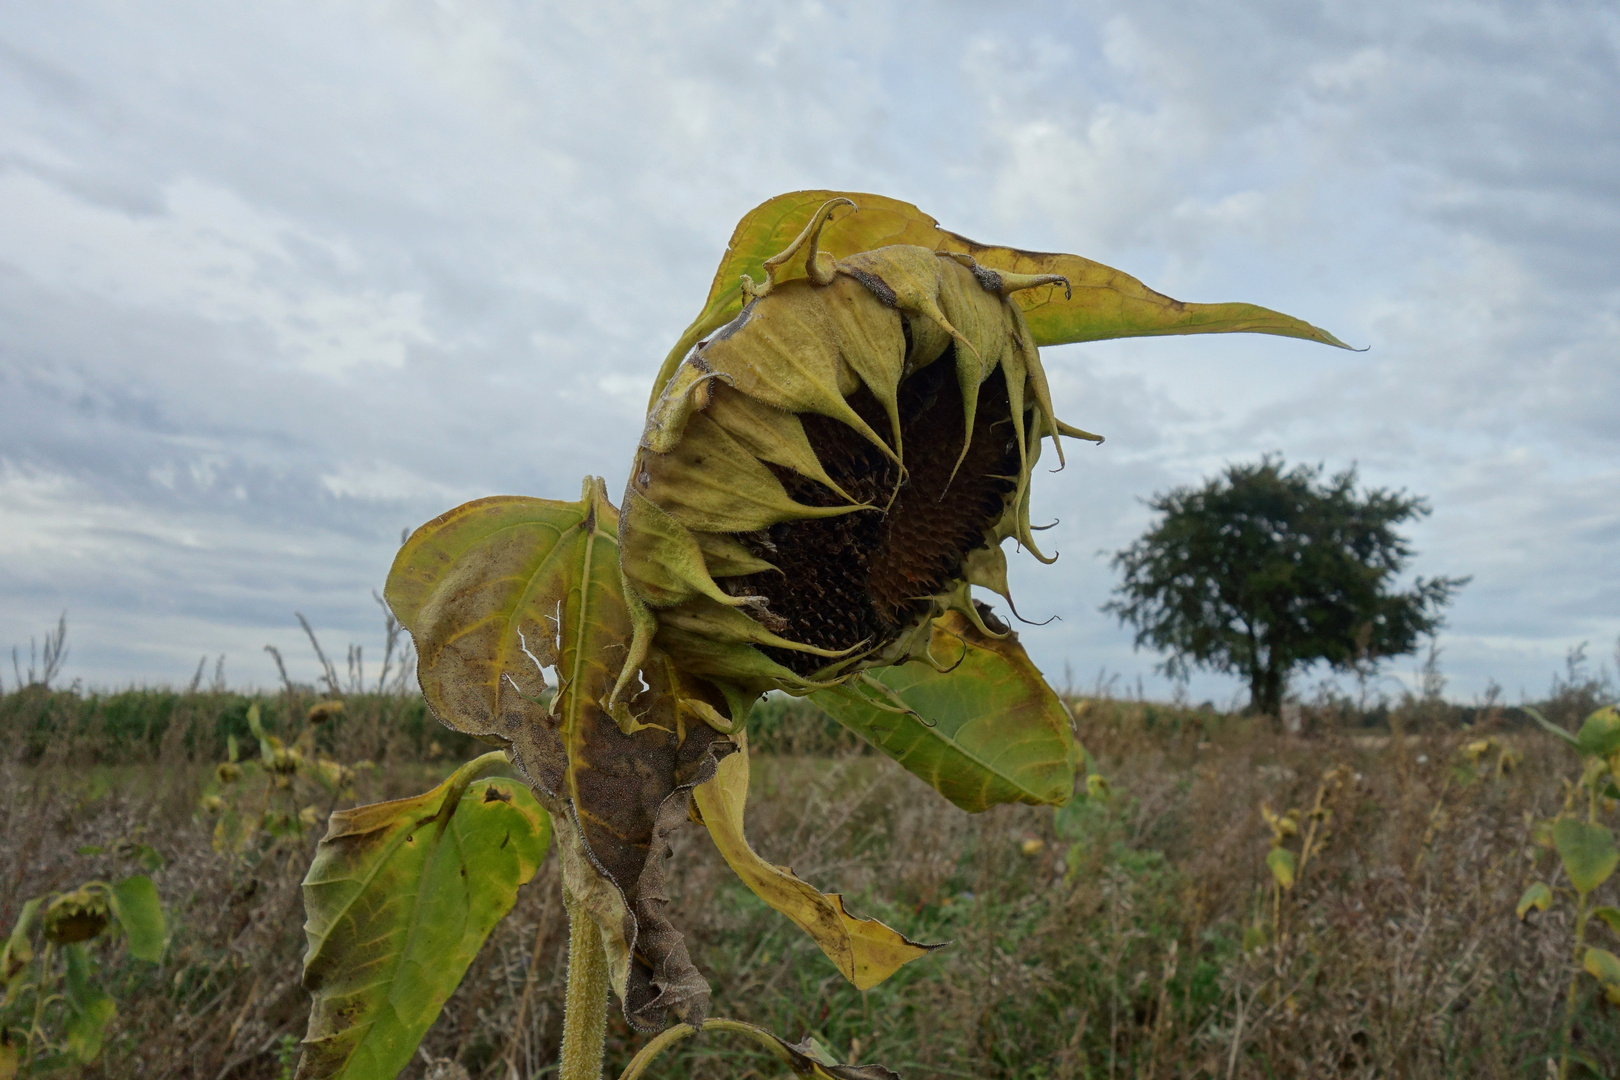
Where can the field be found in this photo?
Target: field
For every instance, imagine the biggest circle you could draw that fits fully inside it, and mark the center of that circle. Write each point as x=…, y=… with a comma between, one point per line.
x=1137, y=934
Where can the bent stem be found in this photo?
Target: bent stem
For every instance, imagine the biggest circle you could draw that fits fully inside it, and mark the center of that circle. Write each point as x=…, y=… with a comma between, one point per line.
x=669, y=1037
x=586, y=1001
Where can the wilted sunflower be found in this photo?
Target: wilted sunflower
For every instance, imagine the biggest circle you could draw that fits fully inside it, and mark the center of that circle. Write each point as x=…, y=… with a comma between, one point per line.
x=835, y=451
x=77, y=916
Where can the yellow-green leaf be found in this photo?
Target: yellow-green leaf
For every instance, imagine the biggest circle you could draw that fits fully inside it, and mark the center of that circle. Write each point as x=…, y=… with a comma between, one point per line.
x=1537, y=896
x=1588, y=853
x=1101, y=302
x=135, y=904
x=988, y=731
x=480, y=589
x=400, y=897
x=1602, y=965
x=865, y=951
x=1600, y=734
x=18, y=952
x=1283, y=864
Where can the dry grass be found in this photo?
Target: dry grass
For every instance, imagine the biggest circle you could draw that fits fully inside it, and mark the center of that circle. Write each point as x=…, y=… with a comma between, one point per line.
x=1126, y=938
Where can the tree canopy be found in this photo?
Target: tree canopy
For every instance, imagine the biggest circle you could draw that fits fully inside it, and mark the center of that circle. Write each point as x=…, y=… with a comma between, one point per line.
x=1263, y=569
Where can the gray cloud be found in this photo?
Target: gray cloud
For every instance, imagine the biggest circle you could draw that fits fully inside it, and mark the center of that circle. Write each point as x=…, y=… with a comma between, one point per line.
x=273, y=289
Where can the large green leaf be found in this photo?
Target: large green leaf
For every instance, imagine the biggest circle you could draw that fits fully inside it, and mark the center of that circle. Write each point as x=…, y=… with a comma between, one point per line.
x=400, y=898
x=1588, y=853
x=988, y=731
x=1101, y=303
x=135, y=904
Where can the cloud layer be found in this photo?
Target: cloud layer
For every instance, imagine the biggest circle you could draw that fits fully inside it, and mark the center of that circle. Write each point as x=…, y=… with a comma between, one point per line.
x=273, y=289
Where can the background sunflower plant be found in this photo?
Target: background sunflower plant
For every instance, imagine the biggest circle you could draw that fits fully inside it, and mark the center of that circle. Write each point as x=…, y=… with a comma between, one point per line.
x=836, y=451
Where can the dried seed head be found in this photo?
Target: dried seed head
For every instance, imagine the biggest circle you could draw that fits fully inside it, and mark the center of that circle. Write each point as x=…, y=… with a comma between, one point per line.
x=322, y=711
x=832, y=470
x=76, y=916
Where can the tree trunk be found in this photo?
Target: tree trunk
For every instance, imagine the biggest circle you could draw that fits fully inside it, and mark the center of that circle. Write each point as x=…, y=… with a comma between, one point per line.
x=1266, y=691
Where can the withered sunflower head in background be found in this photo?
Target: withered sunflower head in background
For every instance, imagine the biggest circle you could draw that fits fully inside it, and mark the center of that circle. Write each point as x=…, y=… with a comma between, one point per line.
x=832, y=466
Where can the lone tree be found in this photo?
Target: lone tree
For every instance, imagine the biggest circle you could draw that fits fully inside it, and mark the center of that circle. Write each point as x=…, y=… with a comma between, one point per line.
x=1262, y=570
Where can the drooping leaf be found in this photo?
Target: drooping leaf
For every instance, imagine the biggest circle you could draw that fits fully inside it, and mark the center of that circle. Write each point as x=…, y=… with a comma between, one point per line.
x=988, y=731
x=400, y=897
x=136, y=906
x=1102, y=302
x=497, y=591
x=1283, y=864
x=628, y=792
x=865, y=951
x=267, y=742
x=480, y=588
x=1602, y=965
x=1537, y=896
x=90, y=1010
x=1600, y=734
x=1588, y=853
x=1608, y=916
x=18, y=952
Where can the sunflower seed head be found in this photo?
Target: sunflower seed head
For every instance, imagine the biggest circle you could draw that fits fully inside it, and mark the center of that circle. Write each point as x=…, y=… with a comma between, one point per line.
x=76, y=916
x=832, y=470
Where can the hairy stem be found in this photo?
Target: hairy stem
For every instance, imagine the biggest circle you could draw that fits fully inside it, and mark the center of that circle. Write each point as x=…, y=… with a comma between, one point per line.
x=586, y=1002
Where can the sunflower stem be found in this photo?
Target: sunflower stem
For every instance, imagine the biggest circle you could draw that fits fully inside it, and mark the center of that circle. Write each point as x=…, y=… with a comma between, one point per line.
x=586, y=1001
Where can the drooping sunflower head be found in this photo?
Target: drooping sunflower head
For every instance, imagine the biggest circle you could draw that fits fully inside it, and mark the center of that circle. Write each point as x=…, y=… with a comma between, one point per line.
x=832, y=469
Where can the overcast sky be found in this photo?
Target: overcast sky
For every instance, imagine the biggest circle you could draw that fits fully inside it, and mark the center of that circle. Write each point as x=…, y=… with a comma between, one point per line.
x=279, y=281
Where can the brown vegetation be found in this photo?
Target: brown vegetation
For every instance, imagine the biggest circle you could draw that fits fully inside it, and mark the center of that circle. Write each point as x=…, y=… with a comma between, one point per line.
x=1131, y=936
